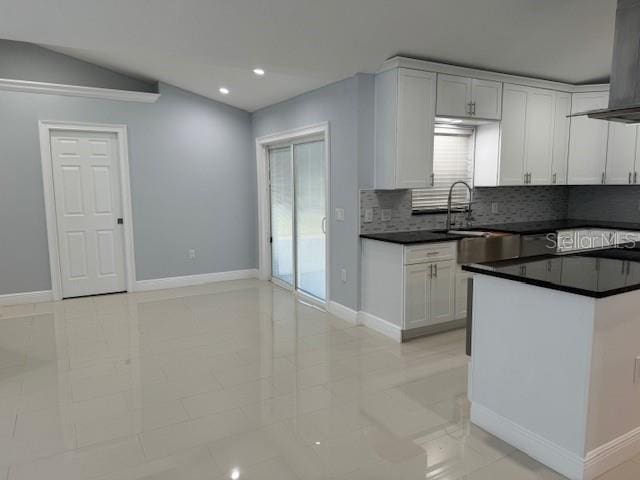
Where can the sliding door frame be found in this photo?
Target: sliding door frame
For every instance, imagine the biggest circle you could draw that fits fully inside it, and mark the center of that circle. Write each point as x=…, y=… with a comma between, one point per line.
x=263, y=144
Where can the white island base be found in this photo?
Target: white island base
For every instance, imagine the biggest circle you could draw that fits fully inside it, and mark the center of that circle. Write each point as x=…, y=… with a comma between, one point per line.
x=554, y=374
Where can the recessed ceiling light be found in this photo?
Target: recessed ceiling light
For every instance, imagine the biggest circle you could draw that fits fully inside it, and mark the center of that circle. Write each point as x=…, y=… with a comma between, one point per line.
x=258, y=71
x=235, y=474
x=224, y=90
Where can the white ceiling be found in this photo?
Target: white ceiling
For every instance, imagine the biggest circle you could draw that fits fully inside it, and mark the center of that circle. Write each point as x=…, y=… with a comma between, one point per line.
x=201, y=45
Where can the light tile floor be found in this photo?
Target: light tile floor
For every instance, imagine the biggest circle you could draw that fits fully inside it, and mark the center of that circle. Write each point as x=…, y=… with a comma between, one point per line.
x=235, y=380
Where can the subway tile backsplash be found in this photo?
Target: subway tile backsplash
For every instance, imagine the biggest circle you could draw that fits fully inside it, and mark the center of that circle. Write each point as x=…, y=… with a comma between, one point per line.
x=515, y=204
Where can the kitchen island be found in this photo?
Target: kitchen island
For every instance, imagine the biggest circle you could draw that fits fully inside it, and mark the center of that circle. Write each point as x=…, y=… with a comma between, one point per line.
x=555, y=368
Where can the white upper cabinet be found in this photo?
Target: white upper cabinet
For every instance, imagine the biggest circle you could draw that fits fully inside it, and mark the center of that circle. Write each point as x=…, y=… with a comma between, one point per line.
x=539, y=136
x=587, y=140
x=526, y=136
x=454, y=96
x=405, y=108
x=468, y=97
x=513, y=135
x=621, y=154
x=561, y=138
x=486, y=97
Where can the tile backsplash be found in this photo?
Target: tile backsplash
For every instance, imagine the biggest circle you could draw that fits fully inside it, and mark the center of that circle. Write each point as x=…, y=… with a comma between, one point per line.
x=620, y=203
x=514, y=204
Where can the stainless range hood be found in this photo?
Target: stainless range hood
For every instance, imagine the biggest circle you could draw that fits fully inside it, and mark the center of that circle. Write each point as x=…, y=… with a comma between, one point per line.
x=624, y=96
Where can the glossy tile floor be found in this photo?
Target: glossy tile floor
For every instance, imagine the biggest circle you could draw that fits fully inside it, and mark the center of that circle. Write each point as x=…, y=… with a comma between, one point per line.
x=234, y=380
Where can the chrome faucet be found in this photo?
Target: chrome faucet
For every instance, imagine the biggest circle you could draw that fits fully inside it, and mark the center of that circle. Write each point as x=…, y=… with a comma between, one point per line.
x=449, y=201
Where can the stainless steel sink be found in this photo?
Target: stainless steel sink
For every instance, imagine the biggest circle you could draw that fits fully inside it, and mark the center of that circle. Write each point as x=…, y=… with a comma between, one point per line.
x=481, y=246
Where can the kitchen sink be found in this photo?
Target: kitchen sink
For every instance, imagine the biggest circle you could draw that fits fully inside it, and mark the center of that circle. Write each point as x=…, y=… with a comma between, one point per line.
x=479, y=246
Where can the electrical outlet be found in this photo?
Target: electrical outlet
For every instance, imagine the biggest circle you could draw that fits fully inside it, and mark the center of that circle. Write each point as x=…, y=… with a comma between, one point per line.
x=385, y=214
x=495, y=207
x=340, y=214
x=191, y=253
x=368, y=215
x=343, y=275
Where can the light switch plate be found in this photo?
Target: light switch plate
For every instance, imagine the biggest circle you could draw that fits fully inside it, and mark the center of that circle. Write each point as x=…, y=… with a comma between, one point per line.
x=340, y=214
x=368, y=215
x=385, y=215
x=191, y=253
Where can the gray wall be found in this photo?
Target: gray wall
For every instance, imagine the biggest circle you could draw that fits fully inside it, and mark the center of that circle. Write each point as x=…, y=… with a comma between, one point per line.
x=342, y=104
x=515, y=204
x=192, y=173
x=26, y=61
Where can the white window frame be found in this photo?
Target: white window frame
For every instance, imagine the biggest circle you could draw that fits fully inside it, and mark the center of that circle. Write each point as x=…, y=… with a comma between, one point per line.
x=439, y=210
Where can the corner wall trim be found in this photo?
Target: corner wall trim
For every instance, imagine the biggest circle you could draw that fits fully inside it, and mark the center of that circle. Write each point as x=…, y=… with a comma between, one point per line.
x=384, y=327
x=344, y=313
x=26, y=86
x=554, y=456
x=26, y=297
x=190, y=280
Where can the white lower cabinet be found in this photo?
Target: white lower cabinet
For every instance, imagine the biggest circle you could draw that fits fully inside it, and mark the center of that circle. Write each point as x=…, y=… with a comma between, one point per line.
x=429, y=293
x=409, y=287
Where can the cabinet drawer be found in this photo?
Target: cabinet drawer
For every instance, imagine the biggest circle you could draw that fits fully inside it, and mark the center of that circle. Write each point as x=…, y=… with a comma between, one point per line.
x=432, y=252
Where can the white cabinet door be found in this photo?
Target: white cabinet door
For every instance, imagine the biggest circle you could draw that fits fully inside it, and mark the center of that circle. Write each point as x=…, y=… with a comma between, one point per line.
x=416, y=295
x=587, y=140
x=454, y=96
x=461, y=287
x=512, y=135
x=561, y=138
x=442, y=292
x=621, y=154
x=486, y=99
x=416, y=115
x=539, y=136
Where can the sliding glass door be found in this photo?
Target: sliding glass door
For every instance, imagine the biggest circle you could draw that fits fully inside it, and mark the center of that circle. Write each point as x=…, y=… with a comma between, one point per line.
x=298, y=217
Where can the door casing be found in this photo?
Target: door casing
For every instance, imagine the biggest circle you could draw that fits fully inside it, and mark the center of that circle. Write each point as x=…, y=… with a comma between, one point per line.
x=45, y=129
x=264, y=201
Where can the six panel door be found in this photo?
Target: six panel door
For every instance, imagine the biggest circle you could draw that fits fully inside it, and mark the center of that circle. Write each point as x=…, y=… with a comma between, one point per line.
x=86, y=180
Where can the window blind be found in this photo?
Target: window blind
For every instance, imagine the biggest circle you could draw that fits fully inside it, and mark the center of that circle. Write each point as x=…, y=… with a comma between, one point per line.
x=452, y=161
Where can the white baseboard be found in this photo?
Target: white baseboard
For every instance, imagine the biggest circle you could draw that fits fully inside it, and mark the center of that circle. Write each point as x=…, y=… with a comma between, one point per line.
x=611, y=454
x=387, y=329
x=344, y=313
x=191, y=280
x=26, y=297
x=548, y=453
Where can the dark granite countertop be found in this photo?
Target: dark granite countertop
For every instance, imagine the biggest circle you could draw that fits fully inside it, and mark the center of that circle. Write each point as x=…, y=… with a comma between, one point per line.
x=530, y=228
x=416, y=236
x=520, y=228
x=596, y=274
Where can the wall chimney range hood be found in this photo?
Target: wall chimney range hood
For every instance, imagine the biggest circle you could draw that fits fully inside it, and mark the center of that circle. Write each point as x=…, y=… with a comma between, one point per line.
x=624, y=93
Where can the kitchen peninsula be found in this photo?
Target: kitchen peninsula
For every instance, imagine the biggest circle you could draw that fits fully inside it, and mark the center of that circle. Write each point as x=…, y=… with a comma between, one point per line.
x=555, y=368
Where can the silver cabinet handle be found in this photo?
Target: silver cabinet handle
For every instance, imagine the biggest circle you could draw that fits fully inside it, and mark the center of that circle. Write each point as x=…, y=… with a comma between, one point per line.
x=436, y=270
x=431, y=270
x=635, y=177
x=602, y=180
x=324, y=225
x=474, y=108
x=629, y=177
x=554, y=178
x=525, y=178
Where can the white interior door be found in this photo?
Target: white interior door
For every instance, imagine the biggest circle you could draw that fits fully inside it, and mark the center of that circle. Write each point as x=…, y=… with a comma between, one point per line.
x=86, y=181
